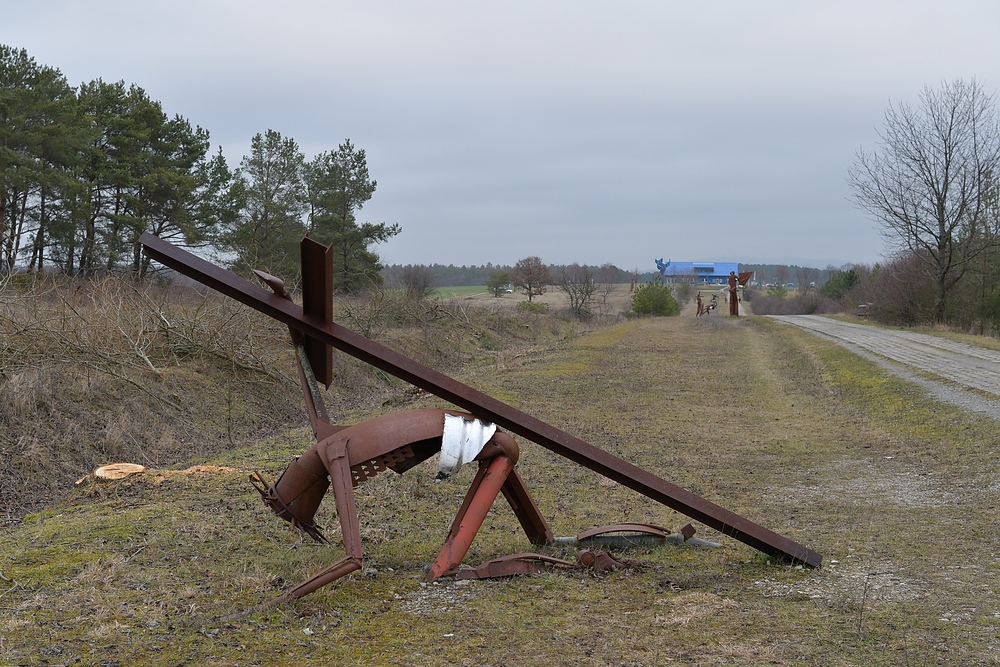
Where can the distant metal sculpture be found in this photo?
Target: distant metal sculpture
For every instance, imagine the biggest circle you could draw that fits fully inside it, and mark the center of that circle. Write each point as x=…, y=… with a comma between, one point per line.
x=344, y=457
x=734, y=302
x=735, y=282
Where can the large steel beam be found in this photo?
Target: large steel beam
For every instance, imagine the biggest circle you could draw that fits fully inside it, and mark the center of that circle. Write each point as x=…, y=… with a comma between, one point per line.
x=479, y=404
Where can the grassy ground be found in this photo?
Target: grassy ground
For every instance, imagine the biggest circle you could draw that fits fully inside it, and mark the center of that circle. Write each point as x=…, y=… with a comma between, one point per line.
x=898, y=493
x=613, y=301
x=461, y=291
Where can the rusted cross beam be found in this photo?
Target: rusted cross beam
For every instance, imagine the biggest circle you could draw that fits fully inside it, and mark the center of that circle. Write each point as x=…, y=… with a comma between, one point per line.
x=479, y=404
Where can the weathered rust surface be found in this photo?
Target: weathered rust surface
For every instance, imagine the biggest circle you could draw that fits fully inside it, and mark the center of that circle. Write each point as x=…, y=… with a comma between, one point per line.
x=485, y=488
x=688, y=531
x=644, y=528
x=527, y=512
x=601, y=561
x=511, y=566
x=479, y=404
x=317, y=301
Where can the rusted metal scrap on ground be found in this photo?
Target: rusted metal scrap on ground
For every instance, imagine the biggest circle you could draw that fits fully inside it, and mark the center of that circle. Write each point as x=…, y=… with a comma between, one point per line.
x=344, y=457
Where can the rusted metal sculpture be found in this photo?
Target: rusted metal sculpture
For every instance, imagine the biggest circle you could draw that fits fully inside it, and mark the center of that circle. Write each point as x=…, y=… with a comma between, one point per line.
x=350, y=456
x=344, y=457
x=734, y=302
x=736, y=281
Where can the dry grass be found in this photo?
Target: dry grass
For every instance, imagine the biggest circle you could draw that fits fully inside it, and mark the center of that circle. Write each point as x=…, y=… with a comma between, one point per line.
x=95, y=372
x=898, y=493
x=611, y=302
x=103, y=371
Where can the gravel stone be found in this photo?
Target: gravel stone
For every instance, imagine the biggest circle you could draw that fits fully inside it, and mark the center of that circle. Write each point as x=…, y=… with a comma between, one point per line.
x=966, y=369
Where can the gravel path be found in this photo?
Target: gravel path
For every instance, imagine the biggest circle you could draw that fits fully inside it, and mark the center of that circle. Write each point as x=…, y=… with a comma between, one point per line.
x=903, y=353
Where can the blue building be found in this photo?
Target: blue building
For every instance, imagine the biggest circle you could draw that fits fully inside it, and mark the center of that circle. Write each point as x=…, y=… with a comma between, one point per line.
x=711, y=273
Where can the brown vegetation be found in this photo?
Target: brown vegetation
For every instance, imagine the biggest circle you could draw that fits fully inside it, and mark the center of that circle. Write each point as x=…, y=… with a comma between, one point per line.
x=93, y=372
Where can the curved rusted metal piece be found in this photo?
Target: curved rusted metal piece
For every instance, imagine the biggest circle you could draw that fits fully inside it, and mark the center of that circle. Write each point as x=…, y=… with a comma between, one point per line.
x=308, y=493
x=511, y=566
x=397, y=442
x=601, y=561
x=644, y=528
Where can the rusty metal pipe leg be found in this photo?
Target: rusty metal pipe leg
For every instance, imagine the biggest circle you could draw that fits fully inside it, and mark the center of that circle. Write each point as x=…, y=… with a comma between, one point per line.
x=534, y=524
x=478, y=501
x=339, y=569
x=343, y=490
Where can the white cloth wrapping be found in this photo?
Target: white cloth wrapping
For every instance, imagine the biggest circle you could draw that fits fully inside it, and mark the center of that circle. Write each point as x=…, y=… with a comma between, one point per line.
x=461, y=442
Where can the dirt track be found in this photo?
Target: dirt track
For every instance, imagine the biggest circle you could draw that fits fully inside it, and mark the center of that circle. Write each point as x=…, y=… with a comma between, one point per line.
x=905, y=352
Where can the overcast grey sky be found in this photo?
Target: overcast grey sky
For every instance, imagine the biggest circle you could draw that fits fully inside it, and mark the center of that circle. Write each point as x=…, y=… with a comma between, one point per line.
x=577, y=131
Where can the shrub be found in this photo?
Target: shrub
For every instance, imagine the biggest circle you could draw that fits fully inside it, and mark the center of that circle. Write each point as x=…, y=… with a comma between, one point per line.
x=840, y=283
x=577, y=283
x=900, y=292
x=534, y=307
x=489, y=343
x=418, y=281
x=991, y=310
x=777, y=291
x=683, y=293
x=803, y=304
x=654, y=299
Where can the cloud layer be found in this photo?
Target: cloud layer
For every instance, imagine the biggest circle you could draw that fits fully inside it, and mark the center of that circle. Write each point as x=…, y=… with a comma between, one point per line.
x=576, y=131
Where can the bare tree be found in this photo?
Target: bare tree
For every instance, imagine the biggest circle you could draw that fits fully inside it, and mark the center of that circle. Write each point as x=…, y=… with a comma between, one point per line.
x=531, y=276
x=635, y=276
x=607, y=278
x=807, y=278
x=932, y=180
x=577, y=283
x=417, y=280
x=782, y=273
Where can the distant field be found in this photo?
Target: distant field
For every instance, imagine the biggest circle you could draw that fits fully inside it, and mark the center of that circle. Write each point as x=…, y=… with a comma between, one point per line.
x=613, y=303
x=465, y=290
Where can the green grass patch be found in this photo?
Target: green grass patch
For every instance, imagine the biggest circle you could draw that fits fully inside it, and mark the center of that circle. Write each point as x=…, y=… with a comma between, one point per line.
x=460, y=291
x=535, y=307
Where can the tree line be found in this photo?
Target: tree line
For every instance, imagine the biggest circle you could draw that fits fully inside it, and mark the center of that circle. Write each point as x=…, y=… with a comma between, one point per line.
x=86, y=170
x=450, y=275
